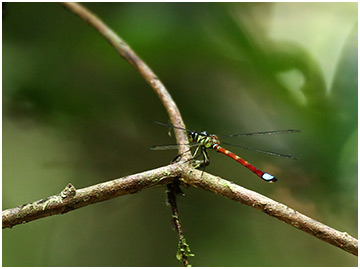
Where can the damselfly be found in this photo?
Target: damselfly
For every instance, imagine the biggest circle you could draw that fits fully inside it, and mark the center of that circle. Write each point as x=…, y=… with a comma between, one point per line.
x=204, y=141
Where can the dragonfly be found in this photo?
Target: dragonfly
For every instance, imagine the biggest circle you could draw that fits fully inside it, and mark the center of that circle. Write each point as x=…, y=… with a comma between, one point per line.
x=204, y=141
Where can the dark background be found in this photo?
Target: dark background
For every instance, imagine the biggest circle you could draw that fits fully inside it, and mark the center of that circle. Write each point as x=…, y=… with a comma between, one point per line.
x=75, y=111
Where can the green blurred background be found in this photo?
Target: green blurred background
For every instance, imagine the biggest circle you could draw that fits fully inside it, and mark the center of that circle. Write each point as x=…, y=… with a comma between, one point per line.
x=74, y=111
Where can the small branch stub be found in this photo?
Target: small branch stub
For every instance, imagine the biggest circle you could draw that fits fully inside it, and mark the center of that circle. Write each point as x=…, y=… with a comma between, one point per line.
x=68, y=192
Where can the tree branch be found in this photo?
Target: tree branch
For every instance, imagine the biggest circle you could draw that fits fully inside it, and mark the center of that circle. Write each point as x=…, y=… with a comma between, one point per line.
x=174, y=114
x=129, y=55
x=70, y=198
x=275, y=209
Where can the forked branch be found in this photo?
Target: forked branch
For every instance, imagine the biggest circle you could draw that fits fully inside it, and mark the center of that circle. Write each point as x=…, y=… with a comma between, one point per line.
x=129, y=55
x=71, y=199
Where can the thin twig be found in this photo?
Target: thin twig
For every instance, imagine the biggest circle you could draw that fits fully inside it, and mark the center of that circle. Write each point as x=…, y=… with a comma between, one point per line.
x=129, y=55
x=183, y=252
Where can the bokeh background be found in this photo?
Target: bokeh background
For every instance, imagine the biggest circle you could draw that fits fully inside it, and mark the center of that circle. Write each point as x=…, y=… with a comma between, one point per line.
x=74, y=111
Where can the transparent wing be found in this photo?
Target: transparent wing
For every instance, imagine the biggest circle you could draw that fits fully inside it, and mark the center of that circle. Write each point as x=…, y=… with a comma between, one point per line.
x=262, y=151
x=264, y=133
x=172, y=126
x=173, y=146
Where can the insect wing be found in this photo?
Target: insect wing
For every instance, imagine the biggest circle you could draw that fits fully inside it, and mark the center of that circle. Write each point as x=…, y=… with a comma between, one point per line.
x=264, y=133
x=170, y=147
x=262, y=151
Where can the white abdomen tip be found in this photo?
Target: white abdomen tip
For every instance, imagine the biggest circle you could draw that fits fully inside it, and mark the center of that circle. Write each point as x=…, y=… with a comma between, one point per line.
x=268, y=177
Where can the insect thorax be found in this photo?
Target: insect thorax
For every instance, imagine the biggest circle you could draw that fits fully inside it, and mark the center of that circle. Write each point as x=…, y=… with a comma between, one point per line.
x=205, y=140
